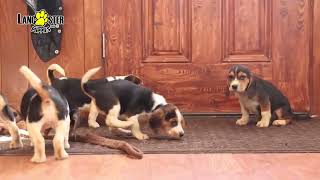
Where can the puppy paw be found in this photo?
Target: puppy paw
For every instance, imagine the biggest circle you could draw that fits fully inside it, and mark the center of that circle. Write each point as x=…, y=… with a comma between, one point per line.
x=66, y=145
x=263, y=124
x=279, y=123
x=36, y=159
x=94, y=124
x=142, y=137
x=62, y=155
x=242, y=122
x=16, y=144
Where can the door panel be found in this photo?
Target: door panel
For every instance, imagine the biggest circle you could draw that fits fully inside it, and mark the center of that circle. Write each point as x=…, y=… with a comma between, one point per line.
x=184, y=48
x=166, y=31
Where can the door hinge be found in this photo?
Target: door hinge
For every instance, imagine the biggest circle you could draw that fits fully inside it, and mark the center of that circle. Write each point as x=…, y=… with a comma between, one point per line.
x=104, y=41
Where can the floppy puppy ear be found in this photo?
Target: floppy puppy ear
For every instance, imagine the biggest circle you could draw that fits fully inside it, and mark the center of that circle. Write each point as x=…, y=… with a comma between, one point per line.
x=134, y=79
x=156, y=118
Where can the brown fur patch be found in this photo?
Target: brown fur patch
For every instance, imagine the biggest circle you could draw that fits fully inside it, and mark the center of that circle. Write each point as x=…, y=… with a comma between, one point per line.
x=265, y=106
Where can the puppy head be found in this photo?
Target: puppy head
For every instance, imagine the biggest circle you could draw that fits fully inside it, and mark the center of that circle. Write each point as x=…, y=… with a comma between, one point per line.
x=134, y=79
x=239, y=78
x=167, y=120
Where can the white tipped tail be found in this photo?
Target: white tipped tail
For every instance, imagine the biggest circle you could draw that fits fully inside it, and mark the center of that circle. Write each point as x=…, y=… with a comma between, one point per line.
x=87, y=76
x=51, y=69
x=34, y=81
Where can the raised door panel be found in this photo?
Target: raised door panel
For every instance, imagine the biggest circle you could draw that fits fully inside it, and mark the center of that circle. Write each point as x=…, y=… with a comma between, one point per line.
x=166, y=30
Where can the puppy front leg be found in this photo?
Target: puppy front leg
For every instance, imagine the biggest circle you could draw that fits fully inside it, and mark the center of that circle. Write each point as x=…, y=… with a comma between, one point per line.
x=14, y=132
x=244, y=117
x=135, y=129
x=93, y=114
x=265, y=114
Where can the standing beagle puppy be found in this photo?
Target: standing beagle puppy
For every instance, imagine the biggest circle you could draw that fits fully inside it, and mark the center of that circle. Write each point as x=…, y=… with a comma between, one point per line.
x=46, y=108
x=130, y=101
x=71, y=89
x=9, y=121
x=259, y=97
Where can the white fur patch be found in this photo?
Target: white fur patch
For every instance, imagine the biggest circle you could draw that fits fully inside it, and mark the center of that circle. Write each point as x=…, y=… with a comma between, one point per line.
x=158, y=100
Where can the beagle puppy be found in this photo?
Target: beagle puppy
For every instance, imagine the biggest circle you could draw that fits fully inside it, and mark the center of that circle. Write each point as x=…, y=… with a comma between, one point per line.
x=130, y=101
x=45, y=108
x=259, y=97
x=71, y=89
x=8, y=120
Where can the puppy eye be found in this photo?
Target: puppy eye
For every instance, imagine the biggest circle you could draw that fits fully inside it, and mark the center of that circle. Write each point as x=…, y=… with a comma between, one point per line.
x=174, y=123
x=242, y=77
x=230, y=77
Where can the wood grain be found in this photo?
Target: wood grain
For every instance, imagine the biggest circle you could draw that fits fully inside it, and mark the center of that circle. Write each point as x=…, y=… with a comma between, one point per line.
x=290, y=50
x=13, y=51
x=122, y=26
x=92, y=34
x=315, y=65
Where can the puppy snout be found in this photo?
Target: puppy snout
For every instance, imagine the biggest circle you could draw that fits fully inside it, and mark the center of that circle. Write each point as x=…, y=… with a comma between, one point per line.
x=234, y=87
x=181, y=134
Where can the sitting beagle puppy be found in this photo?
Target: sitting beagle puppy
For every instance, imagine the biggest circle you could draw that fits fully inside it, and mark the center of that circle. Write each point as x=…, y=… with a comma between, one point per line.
x=71, y=89
x=46, y=108
x=130, y=101
x=259, y=97
x=8, y=120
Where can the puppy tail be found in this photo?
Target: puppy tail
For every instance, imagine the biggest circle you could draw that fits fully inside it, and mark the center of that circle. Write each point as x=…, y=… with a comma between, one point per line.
x=86, y=77
x=50, y=71
x=35, y=82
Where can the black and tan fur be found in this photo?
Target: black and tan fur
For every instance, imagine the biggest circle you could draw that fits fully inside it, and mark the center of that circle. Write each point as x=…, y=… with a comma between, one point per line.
x=130, y=101
x=46, y=108
x=8, y=119
x=259, y=97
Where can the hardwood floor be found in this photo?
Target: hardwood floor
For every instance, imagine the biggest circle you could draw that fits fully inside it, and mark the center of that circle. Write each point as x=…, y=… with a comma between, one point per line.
x=166, y=167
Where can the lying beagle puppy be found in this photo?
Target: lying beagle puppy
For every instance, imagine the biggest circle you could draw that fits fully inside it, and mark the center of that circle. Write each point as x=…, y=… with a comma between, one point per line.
x=259, y=97
x=8, y=120
x=71, y=89
x=130, y=101
x=46, y=108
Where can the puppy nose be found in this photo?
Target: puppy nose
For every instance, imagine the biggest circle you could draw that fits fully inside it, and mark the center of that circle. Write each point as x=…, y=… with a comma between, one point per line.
x=181, y=134
x=234, y=87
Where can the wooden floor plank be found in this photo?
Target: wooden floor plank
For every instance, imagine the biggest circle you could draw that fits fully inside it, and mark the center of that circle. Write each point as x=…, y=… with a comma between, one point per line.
x=160, y=167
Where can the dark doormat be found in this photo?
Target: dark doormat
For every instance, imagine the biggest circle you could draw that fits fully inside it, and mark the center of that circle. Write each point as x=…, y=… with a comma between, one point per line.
x=210, y=135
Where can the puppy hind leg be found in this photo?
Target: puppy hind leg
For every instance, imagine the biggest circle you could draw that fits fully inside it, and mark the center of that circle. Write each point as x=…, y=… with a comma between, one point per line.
x=93, y=114
x=66, y=136
x=281, y=122
x=59, y=140
x=113, y=121
x=283, y=116
x=38, y=142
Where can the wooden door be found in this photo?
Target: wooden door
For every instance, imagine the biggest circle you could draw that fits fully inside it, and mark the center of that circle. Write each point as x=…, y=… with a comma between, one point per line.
x=183, y=48
x=81, y=45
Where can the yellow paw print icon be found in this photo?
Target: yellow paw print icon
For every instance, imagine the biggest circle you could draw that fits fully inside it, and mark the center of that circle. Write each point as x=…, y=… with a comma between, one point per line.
x=42, y=18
